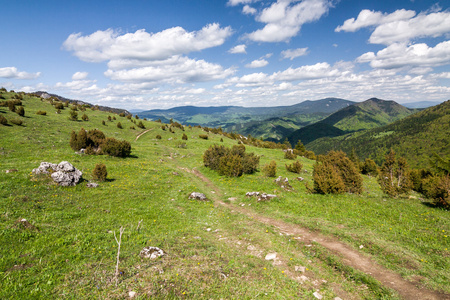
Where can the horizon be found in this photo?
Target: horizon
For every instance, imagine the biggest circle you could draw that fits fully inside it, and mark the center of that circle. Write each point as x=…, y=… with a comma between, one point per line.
x=248, y=53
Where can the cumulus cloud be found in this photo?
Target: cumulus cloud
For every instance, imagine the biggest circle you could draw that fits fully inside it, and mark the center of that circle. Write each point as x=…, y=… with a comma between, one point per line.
x=13, y=73
x=176, y=70
x=79, y=75
x=402, y=55
x=248, y=10
x=258, y=63
x=238, y=49
x=238, y=2
x=399, y=26
x=284, y=19
x=293, y=53
x=141, y=45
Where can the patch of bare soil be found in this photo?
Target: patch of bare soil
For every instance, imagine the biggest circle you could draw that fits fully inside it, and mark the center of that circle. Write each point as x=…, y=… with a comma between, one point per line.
x=142, y=133
x=349, y=256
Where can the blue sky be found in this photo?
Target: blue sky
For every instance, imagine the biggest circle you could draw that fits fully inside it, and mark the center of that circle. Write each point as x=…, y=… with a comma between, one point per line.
x=162, y=54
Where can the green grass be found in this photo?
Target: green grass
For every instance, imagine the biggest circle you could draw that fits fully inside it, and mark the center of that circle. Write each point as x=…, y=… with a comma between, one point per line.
x=70, y=252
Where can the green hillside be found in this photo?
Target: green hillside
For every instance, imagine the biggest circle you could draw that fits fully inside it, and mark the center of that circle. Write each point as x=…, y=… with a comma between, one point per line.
x=369, y=114
x=60, y=242
x=415, y=137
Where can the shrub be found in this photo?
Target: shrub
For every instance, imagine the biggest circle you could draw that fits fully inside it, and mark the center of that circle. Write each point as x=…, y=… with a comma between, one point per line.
x=20, y=111
x=289, y=154
x=158, y=137
x=109, y=118
x=295, y=167
x=42, y=113
x=114, y=118
x=74, y=107
x=327, y=180
x=333, y=170
x=16, y=121
x=103, y=122
x=270, y=169
x=230, y=162
x=129, y=117
x=59, y=105
x=369, y=167
x=122, y=114
x=11, y=106
x=58, y=111
x=221, y=140
x=132, y=127
x=119, y=125
x=394, y=176
x=3, y=120
x=113, y=147
x=73, y=115
x=99, y=173
x=203, y=136
x=184, y=137
x=141, y=125
x=136, y=117
x=163, y=127
x=84, y=117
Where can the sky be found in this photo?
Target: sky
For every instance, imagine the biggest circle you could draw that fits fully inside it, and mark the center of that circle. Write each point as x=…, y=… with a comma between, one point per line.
x=148, y=54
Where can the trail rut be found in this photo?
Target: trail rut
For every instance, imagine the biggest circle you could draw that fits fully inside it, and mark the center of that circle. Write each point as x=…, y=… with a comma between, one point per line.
x=349, y=256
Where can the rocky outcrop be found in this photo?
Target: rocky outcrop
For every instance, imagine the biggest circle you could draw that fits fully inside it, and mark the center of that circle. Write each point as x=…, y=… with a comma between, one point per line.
x=64, y=173
x=198, y=196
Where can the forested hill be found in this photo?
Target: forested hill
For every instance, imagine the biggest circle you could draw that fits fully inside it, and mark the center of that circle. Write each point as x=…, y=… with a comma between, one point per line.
x=415, y=137
x=369, y=114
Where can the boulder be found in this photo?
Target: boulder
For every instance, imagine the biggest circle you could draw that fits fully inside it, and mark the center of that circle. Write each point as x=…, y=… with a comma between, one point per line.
x=198, y=196
x=45, y=168
x=64, y=173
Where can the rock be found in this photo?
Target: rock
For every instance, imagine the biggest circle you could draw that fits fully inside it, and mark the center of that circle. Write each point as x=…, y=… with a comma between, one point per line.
x=45, y=168
x=232, y=199
x=131, y=294
x=92, y=185
x=11, y=170
x=151, y=252
x=300, y=269
x=361, y=246
x=271, y=256
x=300, y=178
x=198, y=196
x=265, y=197
x=252, y=194
x=66, y=174
x=283, y=182
x=317, y=295
x=303, y=278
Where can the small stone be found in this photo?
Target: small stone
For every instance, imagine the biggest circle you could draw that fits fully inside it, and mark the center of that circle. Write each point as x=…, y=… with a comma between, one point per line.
x=131, y=294
x=360, y=247
x=300, y=269
x=151, y=252
x=303, y=278
x=271, y=256
x=337, y=298
x=232, y=199
x=11, y=170
x=92, y=185
x=317, y=295
x=198, y=196
x=208, y=229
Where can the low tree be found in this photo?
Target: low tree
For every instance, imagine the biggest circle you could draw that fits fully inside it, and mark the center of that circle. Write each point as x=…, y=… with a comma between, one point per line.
x=99, y=173
x=270, y=169
x=394, y=175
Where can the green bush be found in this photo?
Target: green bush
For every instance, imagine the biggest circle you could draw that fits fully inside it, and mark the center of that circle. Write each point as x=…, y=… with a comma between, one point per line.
x=333, y=170
x=141, y=125
x=289, y=154
x=3, y=120
x=295, y=167
x=113, y=147
x=104, y=123
x=59, y=105
x=270, y=169
x=84, y=117
x=203, y=136
x=230, y=162
x=20, y=111
x=11, y=106
x=163, y=127
x=394, y=176
x=369, y=167
x=184, y=137
x=119, y=125
x=73, y=115
x=99, y=173
x=41, y=112
x=16, y=121
x=158, y=137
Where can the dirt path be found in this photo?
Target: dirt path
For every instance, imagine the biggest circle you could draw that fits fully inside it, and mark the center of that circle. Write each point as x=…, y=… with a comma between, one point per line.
x=142, y=133
x=349, y=256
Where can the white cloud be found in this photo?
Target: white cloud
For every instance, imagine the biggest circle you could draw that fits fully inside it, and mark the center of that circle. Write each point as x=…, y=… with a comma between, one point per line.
x=13, y=73
x=293, y=53
x=401, y=55
x=80, y=75
x=368, y=18
x=176, y=70
x=237, y=2
x=284, y=19
x=238, y=49
x=248, y=10
x=399, y=26
x=258, y=63
x=141, y=45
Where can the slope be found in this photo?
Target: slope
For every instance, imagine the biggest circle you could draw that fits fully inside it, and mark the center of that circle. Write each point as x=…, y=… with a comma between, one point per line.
x=369, y=114
x=415, y=137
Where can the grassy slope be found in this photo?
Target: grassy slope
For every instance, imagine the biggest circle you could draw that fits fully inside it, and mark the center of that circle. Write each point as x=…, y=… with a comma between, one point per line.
x=72, y=252
x=415, y=137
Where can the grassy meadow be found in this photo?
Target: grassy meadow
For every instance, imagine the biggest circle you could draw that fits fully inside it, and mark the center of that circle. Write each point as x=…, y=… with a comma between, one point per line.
x=211, y=251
